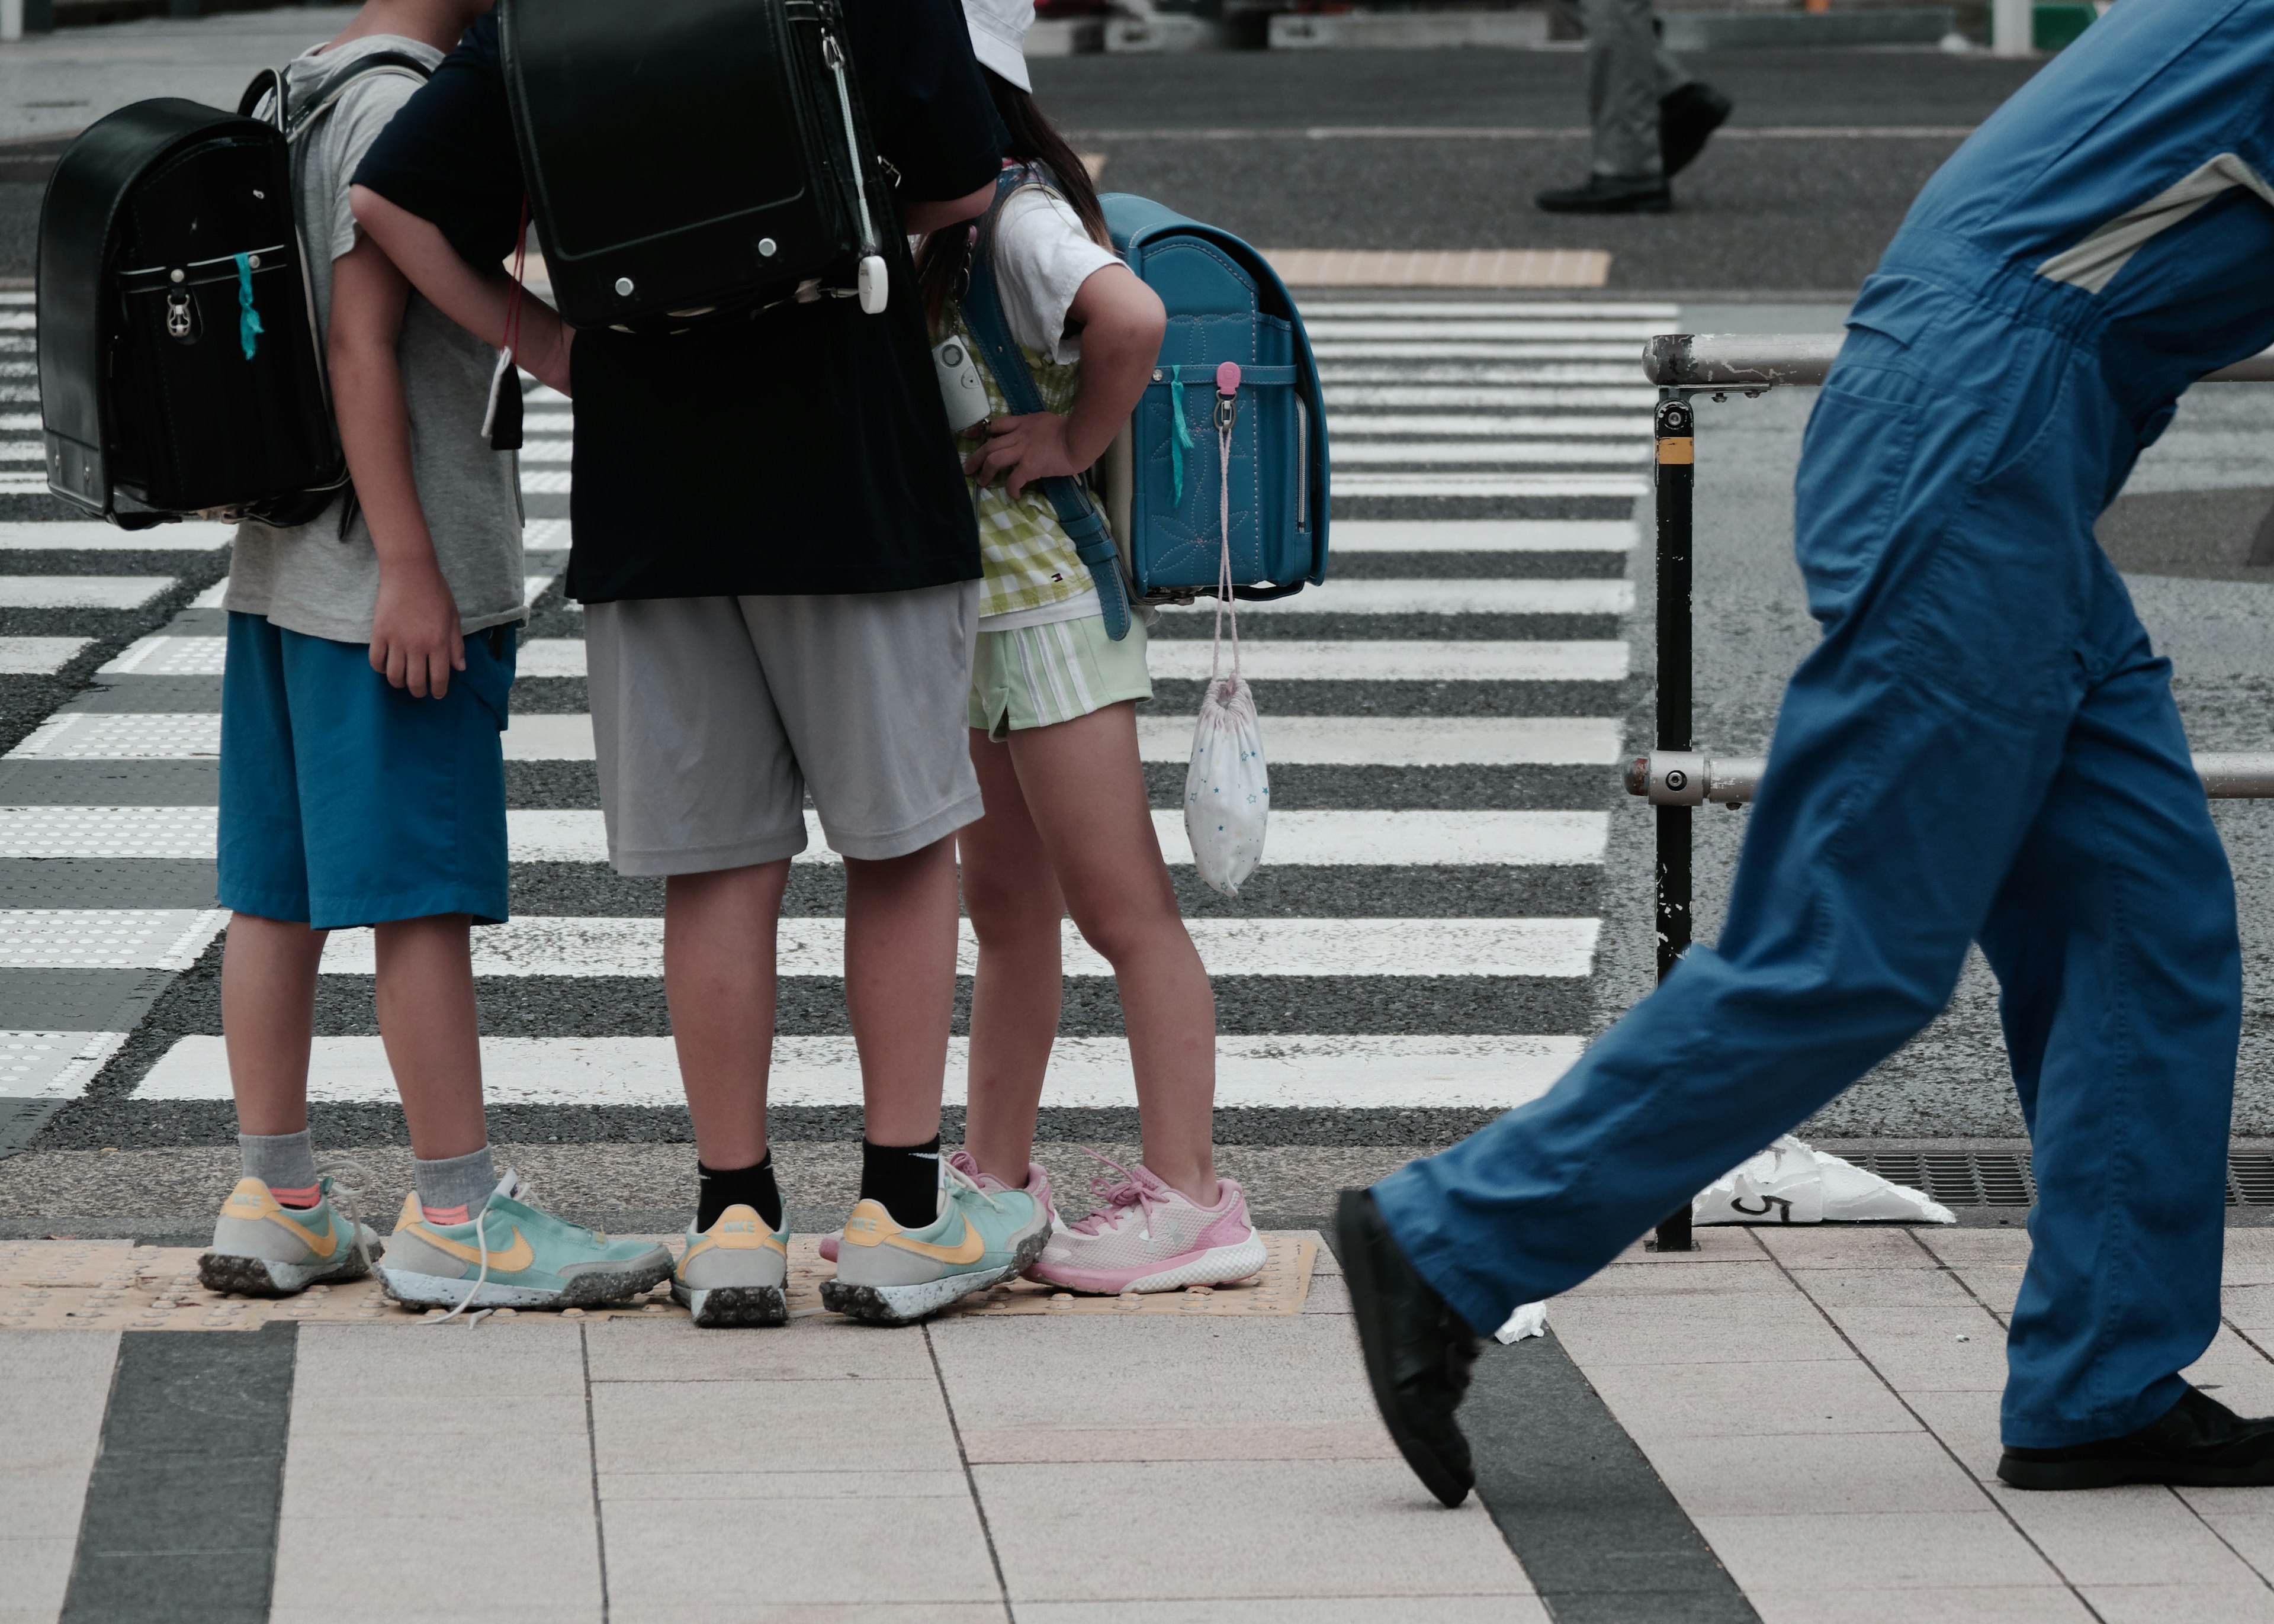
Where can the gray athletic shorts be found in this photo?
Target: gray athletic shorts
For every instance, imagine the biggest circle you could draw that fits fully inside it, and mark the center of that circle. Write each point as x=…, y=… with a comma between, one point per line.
x=712, y=717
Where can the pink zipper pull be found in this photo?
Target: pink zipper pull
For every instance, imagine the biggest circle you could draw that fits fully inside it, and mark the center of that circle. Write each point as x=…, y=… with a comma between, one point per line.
x=1227, y=377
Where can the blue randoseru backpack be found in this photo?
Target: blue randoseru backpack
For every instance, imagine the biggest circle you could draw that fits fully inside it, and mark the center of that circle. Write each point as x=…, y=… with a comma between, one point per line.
x=1160, y=485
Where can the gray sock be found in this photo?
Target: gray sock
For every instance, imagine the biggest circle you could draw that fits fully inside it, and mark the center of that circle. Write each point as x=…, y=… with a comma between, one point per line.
x=280, y=1161
x=456, y=1181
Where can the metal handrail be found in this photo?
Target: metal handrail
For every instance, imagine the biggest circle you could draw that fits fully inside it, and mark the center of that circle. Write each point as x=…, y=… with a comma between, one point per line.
x=1757, y=361
x=1699, y=777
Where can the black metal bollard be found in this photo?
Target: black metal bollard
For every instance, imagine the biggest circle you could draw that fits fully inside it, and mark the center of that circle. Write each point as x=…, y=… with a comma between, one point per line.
x=1677, y=472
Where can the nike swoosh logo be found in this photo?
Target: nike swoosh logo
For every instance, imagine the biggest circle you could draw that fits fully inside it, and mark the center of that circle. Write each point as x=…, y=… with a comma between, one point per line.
x=971, y=1249
x=503, y=1259
x=323, y=1245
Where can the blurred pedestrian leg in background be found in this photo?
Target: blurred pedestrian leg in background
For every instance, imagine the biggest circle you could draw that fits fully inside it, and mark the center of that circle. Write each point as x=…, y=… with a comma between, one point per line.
x=1650, y=117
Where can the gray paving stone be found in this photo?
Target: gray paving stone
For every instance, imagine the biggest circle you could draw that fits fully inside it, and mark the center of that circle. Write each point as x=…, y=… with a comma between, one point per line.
x=673, y=1555
x=1804, y=1247
x=2139, y=1534
x=1299, y=1610
x=1966, y=1423
x=2039, y=1604
x=1876, y=1551
x=1916, y=1348
x=824, y=1350
x=1801, y=1473
x=848, y=1426
x=1689, y=1330
x=1763, y=1400
x=2190, y=1604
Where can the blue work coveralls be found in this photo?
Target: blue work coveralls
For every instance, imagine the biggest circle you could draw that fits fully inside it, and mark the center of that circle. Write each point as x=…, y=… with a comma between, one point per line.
x=1983, y=747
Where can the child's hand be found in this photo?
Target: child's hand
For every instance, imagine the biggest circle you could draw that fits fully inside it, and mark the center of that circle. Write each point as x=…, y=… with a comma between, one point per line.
x=1021, y=450
x=414, y=632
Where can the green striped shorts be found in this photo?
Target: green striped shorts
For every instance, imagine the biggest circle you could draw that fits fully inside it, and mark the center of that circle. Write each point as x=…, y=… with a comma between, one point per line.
x=1036, y=675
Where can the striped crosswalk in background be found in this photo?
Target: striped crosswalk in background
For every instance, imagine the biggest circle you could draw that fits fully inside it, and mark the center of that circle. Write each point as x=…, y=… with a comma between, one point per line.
x=1442, y=719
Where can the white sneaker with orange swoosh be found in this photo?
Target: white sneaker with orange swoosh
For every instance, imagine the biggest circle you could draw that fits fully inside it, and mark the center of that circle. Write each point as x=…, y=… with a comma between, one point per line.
x=733, y=1272
x=512, y=1255
x=263, y=1248
x=892, y=1275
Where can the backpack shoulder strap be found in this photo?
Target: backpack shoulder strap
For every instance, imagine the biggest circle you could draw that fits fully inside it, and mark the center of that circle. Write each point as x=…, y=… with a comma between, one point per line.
x=326, y=92
x=991, y=330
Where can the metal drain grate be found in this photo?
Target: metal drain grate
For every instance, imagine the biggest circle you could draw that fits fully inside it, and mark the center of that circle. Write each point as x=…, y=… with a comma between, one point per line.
x=2003, y=1178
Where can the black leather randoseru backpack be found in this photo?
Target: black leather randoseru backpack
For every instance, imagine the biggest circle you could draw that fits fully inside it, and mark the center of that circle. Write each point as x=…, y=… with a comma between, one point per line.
x=685, y=156
x=180, y=370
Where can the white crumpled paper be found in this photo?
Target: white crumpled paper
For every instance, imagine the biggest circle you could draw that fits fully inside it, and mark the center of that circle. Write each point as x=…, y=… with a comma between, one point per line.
x=1790, y=1182
x=1529, y=1319
x=1228, y=791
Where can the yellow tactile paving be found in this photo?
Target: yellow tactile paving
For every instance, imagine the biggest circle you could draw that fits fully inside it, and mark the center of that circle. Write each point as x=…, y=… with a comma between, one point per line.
x=117, y=1286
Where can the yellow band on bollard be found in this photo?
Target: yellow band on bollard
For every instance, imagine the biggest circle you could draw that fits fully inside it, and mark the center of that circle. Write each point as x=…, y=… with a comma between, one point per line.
x=1677, y=448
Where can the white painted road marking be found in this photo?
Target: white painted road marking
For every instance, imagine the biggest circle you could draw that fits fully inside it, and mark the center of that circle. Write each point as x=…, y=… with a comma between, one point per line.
x=106, y=939
x=94, y=536
x=80, y=591
x=26, y=656
x=1458, y=595
x=1483, y=536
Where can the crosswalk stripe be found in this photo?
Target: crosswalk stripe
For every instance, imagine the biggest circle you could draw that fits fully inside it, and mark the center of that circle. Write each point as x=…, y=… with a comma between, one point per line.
x=1291, y=741
x=1487, y=453
x=1342, y=397
x=616, y=946
x=1650, y=317
x=1292, y=1071
x=1478, y=332
x=1278, y=660
x=80, y=591
x=1527, y=838
x=94, y=536
x=107, y=832
x=1498, y=424
x=1489, y=484
x=105, y=938
x=1628, y=357
x=1483, y=536
x=38, y=656
x=1453, y=596
x=53, y=1065
x=1443, y=370
x=97, y=735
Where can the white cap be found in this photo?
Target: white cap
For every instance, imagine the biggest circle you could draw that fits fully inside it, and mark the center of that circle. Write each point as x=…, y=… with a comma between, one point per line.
x=998, y=36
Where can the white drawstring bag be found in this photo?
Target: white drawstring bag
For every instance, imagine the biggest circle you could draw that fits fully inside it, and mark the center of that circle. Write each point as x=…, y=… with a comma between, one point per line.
x=1792, y=1182
x=1228, y=789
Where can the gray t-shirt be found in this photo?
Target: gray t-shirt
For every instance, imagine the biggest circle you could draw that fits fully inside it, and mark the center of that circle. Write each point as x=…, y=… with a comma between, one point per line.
x=308, y=579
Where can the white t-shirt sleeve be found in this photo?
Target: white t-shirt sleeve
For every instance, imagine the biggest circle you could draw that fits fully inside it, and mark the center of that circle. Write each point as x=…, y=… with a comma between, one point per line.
x=1042, y=257
x=354, y=126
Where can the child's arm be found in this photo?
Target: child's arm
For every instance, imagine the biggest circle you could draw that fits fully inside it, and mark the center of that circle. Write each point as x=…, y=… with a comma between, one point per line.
x=1121, y=321
x=414, y=631
x=475, y=300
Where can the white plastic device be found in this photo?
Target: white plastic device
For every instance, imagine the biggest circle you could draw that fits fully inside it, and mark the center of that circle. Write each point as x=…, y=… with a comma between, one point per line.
x=959, y=383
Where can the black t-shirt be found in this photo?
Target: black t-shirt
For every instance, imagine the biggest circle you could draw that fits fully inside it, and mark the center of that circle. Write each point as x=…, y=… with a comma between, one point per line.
x=798, y=449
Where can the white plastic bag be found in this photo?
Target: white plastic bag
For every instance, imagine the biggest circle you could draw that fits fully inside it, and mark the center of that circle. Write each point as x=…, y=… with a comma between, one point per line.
x=1529, y=1319
x=1791, y=1182
x=1228, y=789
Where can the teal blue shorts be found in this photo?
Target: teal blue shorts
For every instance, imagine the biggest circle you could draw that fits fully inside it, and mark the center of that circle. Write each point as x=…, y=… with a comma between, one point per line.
x=345, y=801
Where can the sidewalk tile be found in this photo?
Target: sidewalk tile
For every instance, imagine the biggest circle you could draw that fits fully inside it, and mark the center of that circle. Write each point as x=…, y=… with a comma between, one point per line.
x=1716, y=1243
x=2188, y=1604
x=2250, y=1307
x=1916, y=1348
x=1843, y=1246
x=1665, y=1402
x=1930, y=1287
x=1630, y=1330
x=379, y=1469
x=1298, y=1610
x=1677, y=1277
x=1801, y=1473
x=829, y=1348
x=51, y=1407
x=1327, y=1296
x=2250, y=1257
x=1874, y=1551
x=1996, y=1284
x=2137, y=1534
x=1260, y=1529
x=2239, y=1376
x=1021, y=1446
x=1962, y=1246
x=1966, y=1423
x=357, y=1363
x=44, y=1502
x=853, y=1426
x=2035, y=1604
x=2242, y=1518
x=1296, y=1371
x=35, y=1571
x=478, y=1559
x=475, y=1417
x=1325, y=1262
x=674, y=1555
x=666, y=1484
x=637, y=1609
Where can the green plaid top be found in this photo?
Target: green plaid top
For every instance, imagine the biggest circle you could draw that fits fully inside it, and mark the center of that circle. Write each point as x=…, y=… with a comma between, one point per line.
x=1029, y=559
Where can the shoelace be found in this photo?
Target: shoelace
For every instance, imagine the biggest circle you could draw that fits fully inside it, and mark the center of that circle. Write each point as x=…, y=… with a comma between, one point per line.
x=1117, y=1194
x=511, y=1187
x=350, y=1196
x=951, y=1174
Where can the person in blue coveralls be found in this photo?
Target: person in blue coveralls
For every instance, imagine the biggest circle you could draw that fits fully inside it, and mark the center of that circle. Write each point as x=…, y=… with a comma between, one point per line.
x=1983, y=747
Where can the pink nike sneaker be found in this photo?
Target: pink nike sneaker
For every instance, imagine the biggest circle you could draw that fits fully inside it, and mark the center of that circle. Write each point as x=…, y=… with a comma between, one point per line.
x=1149, y=1236
x=1038, y=1185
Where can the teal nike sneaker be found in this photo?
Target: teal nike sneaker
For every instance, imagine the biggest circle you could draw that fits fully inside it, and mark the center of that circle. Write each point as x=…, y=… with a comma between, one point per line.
x=734, y=1273
x=512, y=1255
x=263, y=1248
x=890, y=1275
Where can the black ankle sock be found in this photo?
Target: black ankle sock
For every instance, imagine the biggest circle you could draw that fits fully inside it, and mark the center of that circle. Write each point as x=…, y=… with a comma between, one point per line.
x=904, y=1177
x=751, y=1186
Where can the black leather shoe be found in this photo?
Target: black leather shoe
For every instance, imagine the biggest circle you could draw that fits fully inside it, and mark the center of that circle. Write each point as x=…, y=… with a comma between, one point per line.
x=1685, y=118
x=1418, y=1353
x=2197, y=1443
x=1611, y=194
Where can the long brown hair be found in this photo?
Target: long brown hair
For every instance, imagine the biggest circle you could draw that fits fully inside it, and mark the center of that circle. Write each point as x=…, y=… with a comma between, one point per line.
x=1035, y=140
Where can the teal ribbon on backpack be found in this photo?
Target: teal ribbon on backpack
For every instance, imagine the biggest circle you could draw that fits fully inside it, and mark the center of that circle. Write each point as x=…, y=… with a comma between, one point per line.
x=1183, y=442
x=248, y=319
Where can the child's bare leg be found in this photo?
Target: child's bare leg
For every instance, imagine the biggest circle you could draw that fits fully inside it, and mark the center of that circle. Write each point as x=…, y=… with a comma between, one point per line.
x=427, y=1020
x=900, y=986
x=1085, y=788
x=1012, y=897
x=267, y=1013
x=719, y=977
